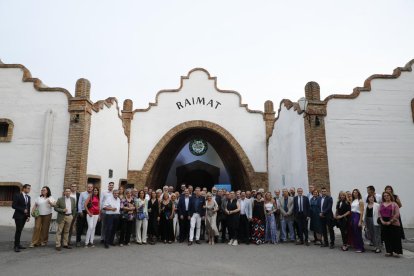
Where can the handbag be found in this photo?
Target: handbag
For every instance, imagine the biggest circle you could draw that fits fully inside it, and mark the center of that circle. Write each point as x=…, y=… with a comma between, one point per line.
x=140, y=213
x=35, y=213
x=89, y=205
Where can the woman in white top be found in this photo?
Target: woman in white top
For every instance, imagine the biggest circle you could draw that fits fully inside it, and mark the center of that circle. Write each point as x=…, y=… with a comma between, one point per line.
x=141, y=205
x=357, y=214
x=42, y=211
x=371, y=222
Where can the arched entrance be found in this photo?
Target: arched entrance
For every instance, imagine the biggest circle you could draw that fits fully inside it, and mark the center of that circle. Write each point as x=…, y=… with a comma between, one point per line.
x=235, y=160
x=198, y=173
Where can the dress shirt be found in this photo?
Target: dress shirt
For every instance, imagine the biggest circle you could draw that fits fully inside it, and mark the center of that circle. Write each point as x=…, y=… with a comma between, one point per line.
x=300, y=203
x=243, y=203
x=110, y=201
x=73, y=195
x=322, y=200
x=82, y=198
x=103, y=197
x=68, y=204
x=186, y=201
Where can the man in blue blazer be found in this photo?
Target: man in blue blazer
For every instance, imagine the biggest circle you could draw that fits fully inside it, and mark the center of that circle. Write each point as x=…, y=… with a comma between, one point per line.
x=196, y=213
x=21, y=206
x=326, y=216
x=183, y=215
x=301, y=211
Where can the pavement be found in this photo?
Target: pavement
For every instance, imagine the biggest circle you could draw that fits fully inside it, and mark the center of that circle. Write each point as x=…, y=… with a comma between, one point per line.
x=204, y=259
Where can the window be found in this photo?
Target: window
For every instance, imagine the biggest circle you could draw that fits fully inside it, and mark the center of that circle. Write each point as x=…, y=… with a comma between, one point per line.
x=6, y=130
x=7, y=191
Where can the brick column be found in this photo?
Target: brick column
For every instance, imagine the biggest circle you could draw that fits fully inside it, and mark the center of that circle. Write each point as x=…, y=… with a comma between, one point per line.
x=80, y=109
x=314, y=120
x=127, y=116
x=269, y=117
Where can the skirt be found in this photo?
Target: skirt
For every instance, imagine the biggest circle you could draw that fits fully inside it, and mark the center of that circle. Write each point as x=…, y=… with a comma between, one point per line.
x=270, y=233
x=258, y=231
x=357, y=242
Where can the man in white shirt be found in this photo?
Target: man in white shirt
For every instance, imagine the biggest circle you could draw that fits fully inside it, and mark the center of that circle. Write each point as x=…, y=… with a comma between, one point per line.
x=66, y=208
x=104, y=194
x=112, y=207
x=245, y=218
x=147, y=195
x=371, y=191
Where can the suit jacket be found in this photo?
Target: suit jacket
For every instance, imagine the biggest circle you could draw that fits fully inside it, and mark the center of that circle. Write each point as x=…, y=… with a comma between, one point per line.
x=247, y=208
x=326, y=209
x=289, y=205
x=305, y=207
x=181, y=206
x=197, y=209
x=219, y=203
x=61, y=205
x=19, y=205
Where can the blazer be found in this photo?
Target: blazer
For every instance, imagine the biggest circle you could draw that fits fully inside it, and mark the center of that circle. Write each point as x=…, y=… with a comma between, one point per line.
x=247, y=208
x=219, y=203
x=197, y=209
x=326, y=209
x=289, y=213
x=375, y=211
x=305, y=207
x=19, y=205
x=61, y=205
x=181, y=206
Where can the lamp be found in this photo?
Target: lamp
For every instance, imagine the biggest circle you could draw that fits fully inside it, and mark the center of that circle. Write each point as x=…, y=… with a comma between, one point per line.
x=303, y=103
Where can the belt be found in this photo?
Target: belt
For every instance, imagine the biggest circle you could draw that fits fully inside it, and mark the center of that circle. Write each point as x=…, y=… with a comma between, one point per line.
x=68, y=214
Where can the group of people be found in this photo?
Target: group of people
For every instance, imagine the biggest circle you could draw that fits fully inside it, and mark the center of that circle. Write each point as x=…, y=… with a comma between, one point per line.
x=194, y=214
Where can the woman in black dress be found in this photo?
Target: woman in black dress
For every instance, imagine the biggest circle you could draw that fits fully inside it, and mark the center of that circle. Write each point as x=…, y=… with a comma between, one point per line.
x=153, y=218
x=258, y=220
x=233, y=214
x=343, y=210
x=166, y=219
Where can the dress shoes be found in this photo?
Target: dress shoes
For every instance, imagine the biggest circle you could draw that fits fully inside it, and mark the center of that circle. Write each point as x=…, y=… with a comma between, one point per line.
x=324, y=245
x=198, y=242
x=299, y=243
x=332, y=246
x=59, y=248
x=190, y=243
x=16, y=249
x=306, y=243
x=22, y=247
x=67, y=247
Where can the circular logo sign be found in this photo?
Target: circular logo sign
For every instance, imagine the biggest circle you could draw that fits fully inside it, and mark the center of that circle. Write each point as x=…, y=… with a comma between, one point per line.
x=198, y=146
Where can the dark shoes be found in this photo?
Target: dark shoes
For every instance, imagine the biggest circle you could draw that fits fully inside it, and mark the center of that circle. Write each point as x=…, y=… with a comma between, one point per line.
x=16, y=249
x=59, y=248
x=332, y=246
x=106, y=246
x=324, y=245
x=299, y=243
x=190, y=243
x=67, y=247
x=306, y=243
x=198, y=242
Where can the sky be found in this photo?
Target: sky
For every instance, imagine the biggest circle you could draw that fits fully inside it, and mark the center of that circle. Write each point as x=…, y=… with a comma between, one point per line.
x=265, y=50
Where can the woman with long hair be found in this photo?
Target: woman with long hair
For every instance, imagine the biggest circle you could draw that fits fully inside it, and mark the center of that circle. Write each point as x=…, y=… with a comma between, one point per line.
x=397, y=200
x=270, y=208
x=166, y=219
x=153, y=217
x=42, y=211
x=211, y=216
x=389, y=214
x=92, y=217
x=141, y=205
x=357, y=215
x=343, y=210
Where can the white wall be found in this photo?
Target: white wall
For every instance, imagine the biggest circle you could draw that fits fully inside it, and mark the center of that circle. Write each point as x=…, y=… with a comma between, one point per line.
x=287, y=152
x=108, y=146
x=34, y=150
x=147, y=128
x=370, y=141
x=185, y=156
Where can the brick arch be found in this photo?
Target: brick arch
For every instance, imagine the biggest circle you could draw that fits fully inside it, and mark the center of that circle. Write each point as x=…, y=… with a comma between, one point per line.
x=236, y=161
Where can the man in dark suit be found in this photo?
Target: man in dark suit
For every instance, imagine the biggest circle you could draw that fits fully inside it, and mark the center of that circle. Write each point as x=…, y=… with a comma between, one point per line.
x=183, y=209
x=301, y=210
x=21, y=206
x=326, y=216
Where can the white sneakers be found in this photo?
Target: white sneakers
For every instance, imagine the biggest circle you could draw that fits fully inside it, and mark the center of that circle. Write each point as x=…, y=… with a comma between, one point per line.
x=233, y=242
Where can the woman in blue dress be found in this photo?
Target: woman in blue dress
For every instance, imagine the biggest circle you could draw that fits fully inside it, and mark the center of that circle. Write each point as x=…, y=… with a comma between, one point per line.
x=315, y=220
x=270, y=208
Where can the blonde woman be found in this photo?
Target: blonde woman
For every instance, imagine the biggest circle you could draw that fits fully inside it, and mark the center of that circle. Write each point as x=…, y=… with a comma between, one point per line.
x=211, y=216
x=343, y=210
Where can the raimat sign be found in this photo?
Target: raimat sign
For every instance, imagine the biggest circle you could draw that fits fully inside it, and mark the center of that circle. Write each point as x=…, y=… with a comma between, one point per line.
x=198, y=101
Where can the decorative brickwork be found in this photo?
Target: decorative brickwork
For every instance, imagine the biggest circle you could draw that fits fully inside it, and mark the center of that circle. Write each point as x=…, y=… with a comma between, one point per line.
x=316, y=152
x=10, y=127
x=80, y=109
x=269, y=117
x=127, y=116
x=235, y=159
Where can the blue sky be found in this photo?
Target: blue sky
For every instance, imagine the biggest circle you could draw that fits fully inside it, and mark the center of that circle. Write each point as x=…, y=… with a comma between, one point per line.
x=262, y=49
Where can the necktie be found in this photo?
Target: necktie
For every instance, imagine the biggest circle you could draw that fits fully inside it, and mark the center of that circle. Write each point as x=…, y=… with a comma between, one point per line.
x=25, y=199
x=300, y=204
x=285, y=204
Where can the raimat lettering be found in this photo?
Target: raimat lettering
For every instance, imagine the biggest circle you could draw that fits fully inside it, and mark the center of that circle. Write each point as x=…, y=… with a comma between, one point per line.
x=198, y=101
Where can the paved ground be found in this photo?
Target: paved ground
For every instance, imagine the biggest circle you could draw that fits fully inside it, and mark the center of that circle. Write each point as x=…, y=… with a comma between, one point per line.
x=180, y=259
